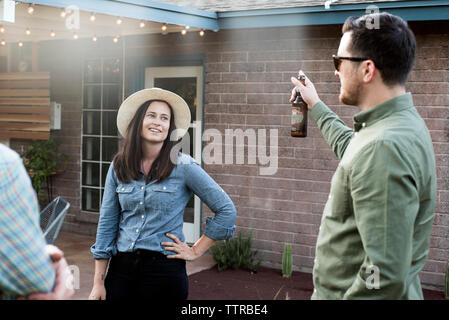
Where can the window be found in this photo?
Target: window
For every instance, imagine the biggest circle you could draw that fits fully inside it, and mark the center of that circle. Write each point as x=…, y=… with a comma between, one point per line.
x=101, y=99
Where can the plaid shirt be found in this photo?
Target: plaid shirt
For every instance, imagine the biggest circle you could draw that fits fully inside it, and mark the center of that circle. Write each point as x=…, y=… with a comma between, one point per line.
x=25, y=267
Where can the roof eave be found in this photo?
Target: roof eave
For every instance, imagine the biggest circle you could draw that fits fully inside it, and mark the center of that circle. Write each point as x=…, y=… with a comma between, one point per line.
x=143, y=10
x=336, y=14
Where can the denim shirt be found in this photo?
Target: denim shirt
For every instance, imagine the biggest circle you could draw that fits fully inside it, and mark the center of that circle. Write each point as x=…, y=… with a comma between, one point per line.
x=137, y=215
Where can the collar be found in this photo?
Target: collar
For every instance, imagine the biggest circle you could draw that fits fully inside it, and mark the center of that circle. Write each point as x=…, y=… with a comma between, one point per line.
x=153, y=171
x=381, y=111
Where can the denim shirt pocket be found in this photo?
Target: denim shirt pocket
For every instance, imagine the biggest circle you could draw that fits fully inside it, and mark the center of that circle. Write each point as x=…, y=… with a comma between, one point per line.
x=124, y=193
x=162, y=197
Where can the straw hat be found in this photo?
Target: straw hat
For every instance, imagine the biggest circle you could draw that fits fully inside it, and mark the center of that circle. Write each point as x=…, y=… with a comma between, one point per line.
x=129, y=107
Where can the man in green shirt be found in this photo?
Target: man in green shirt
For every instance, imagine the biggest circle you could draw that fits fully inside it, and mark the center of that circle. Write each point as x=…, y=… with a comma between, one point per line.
x=375, y=230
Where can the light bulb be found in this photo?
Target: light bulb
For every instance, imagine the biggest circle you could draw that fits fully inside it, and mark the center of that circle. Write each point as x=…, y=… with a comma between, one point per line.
x=183, y=32
x=62, y=14
x=92, y=17
x=115, y=39
x=201, y=33
x=119, y=21
x=52, y=34
x=142, y=24
x=187, y=27
x=30, y=9
x=164, y=27
x=75, y=36
x=27, y=31
x=20, y=44
x=3, y=42
x=94, y=38
x=2, y=29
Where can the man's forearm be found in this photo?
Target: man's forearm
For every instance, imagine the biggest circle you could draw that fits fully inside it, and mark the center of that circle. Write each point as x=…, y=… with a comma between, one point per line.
x=334, y=130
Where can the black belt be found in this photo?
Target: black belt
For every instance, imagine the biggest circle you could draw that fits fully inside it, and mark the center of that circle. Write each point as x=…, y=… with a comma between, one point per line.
x=144, y=253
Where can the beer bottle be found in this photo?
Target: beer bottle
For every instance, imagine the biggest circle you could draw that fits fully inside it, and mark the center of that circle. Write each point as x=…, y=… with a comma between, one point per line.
x=299, y=113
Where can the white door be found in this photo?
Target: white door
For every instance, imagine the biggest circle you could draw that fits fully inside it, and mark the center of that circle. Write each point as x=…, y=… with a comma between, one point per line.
x=188, y=83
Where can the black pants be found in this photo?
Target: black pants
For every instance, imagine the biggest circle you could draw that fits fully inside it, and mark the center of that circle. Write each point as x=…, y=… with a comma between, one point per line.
x=144, y=274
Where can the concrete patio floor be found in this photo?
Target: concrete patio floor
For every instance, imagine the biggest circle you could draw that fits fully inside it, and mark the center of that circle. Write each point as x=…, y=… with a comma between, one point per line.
x=76, y=250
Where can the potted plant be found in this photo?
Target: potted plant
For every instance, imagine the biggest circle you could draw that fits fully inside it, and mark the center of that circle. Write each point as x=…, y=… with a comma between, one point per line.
x=41, y=161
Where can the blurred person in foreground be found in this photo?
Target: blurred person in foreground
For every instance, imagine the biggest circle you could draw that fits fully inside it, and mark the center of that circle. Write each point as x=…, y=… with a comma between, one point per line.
x=29, y=269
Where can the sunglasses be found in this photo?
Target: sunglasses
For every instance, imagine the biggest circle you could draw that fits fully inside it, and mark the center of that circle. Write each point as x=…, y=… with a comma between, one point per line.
x=338, y=60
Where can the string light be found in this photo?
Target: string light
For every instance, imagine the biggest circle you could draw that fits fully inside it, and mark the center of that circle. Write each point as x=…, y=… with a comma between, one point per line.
x=30, y=9
x=119, y=21
x=201, y=33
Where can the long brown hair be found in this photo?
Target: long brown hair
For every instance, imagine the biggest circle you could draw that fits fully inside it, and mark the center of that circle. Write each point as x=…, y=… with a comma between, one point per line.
x=128, y=160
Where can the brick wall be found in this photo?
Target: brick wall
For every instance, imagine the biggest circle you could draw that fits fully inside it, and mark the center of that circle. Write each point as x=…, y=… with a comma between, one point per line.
x=247, y=86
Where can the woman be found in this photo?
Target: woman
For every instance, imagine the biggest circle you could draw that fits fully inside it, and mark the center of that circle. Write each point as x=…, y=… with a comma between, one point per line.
x=146, y=191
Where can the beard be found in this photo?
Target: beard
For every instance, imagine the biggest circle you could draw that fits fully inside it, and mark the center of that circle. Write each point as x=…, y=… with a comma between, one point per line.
x=351, y=96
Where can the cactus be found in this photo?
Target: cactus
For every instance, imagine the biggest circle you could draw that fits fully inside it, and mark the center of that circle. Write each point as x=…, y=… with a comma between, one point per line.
x=287, y=261
x=446, y=293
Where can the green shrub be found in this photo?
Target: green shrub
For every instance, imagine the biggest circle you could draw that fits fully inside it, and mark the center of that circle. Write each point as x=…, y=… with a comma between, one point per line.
x=235, y=253
x=41, y=161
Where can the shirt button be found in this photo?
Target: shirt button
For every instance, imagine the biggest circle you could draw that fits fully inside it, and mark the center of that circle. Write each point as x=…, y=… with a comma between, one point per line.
x=123, y=189
x=164, y=188
x=137, y=230
x=364, y=125
x=141, y=203
x=143, y=216
x=142, y=188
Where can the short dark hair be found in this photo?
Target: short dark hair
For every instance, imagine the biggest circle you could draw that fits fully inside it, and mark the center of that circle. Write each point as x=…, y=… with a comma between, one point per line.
x=391, y=46
x=128, y=160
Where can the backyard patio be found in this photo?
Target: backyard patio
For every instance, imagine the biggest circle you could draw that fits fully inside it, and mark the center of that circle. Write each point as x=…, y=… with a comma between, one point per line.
x=205, y=282
x=65, y=70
